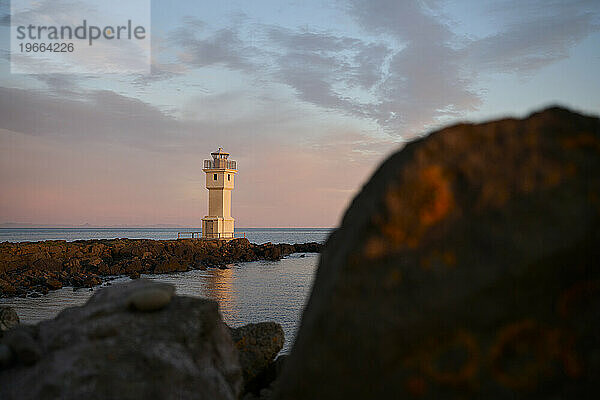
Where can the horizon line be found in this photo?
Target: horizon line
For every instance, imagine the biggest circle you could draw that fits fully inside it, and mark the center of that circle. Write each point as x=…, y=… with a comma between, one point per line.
x=10, y=225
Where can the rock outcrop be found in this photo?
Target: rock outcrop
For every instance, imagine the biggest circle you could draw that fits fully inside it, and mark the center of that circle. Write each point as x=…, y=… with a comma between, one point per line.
x=48, y=265
x=466, y=267
x=8, y=319
x=177, y=348
x=258, y=345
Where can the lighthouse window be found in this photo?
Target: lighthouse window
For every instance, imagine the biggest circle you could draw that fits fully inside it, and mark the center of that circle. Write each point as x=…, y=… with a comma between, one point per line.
x=228, y=177
x=214, y=177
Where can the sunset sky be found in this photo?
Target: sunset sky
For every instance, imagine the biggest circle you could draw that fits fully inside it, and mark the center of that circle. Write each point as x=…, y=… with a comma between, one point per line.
x=308, y=96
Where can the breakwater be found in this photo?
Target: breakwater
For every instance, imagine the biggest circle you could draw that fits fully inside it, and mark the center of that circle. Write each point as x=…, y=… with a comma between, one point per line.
x=37, y=267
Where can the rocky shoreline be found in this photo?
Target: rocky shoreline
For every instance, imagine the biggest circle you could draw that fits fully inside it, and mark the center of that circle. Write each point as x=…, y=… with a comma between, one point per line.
x=38, y=267
x=130, y=334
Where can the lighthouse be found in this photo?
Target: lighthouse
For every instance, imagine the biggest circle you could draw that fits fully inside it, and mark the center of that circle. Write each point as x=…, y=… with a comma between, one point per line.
x=220, y=172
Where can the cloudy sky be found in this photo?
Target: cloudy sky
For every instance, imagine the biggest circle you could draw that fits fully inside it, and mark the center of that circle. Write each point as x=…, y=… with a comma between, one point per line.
x=308, y=96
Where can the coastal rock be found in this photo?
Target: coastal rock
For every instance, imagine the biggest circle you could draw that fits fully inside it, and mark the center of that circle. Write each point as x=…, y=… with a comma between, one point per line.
x=134, y=275
x=467, y=267
x=29, y=267
x=310, y=247
x=150, y=299
x=102, y=350
x=53, y=284
x=8, y=319
x=22, y=343
x=171, y=265
x=7, y=289
x=267, y=382
x=6, y=356
x=257, y=344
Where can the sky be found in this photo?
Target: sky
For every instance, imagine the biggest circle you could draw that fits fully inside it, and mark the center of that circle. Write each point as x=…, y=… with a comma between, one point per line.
x=309, y=97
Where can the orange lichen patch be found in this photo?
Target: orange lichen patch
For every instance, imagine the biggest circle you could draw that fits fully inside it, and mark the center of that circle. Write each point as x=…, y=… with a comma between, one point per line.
x=395, y=200
x=439, y=198
x=449, y=258
x=413, y=206
x=399, y=236
x=564, y=344
x=375, y=248
x=523, y=353
x=462, y=373
x=493, y=194
x=571, y=364
x=578, y=294
x=416, y=386
x=425, y=262
x=511, y=359
x=554, y=177
x=393, y=278
x=570, y=169
x=582, y=140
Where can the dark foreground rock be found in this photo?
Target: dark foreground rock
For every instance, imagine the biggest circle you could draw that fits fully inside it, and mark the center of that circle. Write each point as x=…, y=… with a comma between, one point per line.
x=466, y=268
x=257, y=345
x=48, y=265
x=8, y=319
x=133, y=341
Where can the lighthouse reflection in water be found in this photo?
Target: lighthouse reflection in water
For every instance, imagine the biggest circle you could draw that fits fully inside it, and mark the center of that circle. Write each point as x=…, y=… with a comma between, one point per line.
x=248, y=292
x=255, y=291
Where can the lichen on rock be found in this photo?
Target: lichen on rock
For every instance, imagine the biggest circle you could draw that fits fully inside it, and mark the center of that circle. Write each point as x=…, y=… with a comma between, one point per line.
x=466, y=267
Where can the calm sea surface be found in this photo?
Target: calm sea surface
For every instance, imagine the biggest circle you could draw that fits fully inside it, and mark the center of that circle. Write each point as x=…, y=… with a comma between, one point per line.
x=246, y=292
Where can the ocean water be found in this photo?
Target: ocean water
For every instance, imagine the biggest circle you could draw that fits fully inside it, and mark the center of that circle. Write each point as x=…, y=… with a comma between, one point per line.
x=246, y=292
x=255, y=235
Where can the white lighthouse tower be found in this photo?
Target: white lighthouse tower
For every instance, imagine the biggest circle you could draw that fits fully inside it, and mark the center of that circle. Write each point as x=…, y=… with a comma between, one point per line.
x=220, y=171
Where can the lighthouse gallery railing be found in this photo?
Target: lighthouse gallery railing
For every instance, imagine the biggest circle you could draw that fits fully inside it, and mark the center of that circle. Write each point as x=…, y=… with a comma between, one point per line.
x=220, y=164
